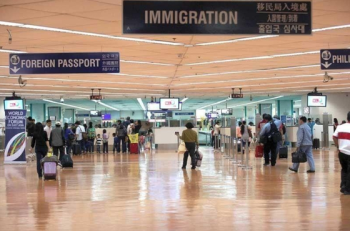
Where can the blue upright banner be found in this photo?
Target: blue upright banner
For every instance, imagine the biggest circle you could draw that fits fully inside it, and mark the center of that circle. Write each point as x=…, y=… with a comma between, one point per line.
x=15, y=137
x=335, y=59
x=64, y=63
x=217, y=17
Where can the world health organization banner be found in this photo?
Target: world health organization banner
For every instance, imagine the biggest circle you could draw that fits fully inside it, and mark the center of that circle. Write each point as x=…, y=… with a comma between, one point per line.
x=217, y=17
x=15, y=137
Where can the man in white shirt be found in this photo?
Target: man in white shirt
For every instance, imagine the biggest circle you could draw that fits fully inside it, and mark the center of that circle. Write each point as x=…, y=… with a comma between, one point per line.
x=79, y=135
x=341, y=138
x=48, y=128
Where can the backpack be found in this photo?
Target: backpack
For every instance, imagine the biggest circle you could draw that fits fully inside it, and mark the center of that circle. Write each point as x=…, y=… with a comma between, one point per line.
x=91, y=133
x=284, y=129
x=274, y=135
x=84, y=134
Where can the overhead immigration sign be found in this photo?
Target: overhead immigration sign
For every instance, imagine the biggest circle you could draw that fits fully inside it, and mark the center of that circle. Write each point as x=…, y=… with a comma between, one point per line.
x=64, y=63
x=216, y=17
x=335, y=59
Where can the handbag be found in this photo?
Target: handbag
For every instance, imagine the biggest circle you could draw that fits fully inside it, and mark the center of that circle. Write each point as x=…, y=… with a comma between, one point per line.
x=263, y=139
x=182, y=147
x=299, y=156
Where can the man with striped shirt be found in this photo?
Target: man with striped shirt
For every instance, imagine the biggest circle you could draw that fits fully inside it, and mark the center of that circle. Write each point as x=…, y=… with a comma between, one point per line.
x=341, y=139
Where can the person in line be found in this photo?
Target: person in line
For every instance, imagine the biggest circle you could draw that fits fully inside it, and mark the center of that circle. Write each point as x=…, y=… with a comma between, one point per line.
x=30, y=132
x=57, y=140
x=261, y=124
x=91, y=137
x=137, y=126
x=115, y=142
x=48, y=128
x=130, y=130
x=246, y=134
x=190, y=137
x=105, y=138
x=238, y=131
x=270, y=146
x=336, y=124
x=42, y=146
x=318, y=121
x=304, y=144
x=311, y=124
x=79, y=136
x=216, y=134
x=98, y=143
x=127, y=122
x=69, y=138
x=341, y=138
x=121, y=134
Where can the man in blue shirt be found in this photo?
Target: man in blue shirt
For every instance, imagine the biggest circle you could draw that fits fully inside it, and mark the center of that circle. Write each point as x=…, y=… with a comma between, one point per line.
x=311, y=125
x=278, y=122
x=270, y=146
x=304, y=142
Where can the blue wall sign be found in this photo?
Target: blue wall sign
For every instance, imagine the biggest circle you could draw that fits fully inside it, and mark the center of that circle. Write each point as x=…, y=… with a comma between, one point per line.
x=64, y=63
x=15, y=137
x=184, y=113
x=335, y=59
x=217, y=17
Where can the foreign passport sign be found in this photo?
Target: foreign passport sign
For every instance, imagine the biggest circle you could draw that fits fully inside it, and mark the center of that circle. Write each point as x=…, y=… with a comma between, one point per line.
x=217, y=17
x=64, y=63
x=335, y=59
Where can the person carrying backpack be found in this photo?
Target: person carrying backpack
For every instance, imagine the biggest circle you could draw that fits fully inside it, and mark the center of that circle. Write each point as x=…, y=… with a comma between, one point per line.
x=270, y=136
x=91, y=138
x=69, y=137
x=121, y=134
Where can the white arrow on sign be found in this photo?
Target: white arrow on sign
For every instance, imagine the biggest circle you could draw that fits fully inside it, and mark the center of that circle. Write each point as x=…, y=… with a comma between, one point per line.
x=15, y=69
x=326, y=65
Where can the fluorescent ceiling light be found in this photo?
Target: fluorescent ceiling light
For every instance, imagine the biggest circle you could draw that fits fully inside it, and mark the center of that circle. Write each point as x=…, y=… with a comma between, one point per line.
x=259, y=101
x=254, y=58
x=222, y=101
x=331, y=28
x=106, y=105
x=183, y=100
x=141, y=104
x=64, y=104
x=151, y=63
x=143, y=76
x=249, y=71
x=11, y=51
x=237, y=40
x=4, y=23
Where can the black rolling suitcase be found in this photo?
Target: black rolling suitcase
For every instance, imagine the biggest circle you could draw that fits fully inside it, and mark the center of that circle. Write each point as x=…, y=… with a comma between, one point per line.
x=76, y=149
x=283, y=153
x=316, y=144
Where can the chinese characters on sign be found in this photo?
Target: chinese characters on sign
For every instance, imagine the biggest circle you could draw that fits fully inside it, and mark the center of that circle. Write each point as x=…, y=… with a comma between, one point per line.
x=284, y=18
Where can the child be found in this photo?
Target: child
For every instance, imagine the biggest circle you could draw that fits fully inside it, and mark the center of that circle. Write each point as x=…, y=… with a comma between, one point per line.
x=116, y=142
x=105, y=138
x=98, y=143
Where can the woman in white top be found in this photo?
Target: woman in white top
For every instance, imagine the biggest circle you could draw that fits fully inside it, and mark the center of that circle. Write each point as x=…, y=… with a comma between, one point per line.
x=216, y=134
x=246, y=134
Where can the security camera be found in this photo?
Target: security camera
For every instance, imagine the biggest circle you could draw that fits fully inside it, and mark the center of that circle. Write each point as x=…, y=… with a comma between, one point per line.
x=327, y=77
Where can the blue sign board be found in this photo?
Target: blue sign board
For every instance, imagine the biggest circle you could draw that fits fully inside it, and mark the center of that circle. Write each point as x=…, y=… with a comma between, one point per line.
x=217, y=17
x=335, y=59
x=64, y=63
x=184, y=113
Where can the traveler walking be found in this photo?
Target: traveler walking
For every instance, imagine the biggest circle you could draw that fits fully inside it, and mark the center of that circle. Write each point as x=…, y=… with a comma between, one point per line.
x=91, y=138
x=57, y=140
x=41, y=144
x=269, y=136
x=48, y=128
x=261, y=124
x=304, y=144
x=69, y=137
x=341, y=138
x=246, y=134
x=190, y=137
x=79, y=133
x=105, y=138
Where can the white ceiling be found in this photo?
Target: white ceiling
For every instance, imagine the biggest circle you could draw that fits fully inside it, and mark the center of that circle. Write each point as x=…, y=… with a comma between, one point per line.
x=284, y=65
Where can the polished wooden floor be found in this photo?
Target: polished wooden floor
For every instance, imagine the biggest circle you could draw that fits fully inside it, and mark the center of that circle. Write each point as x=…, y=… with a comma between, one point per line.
x=151, y=192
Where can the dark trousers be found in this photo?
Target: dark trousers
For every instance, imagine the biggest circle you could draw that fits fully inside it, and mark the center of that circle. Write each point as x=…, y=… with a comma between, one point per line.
x=58, y=149
x=122, y=139
x=105, y=147
x=191, y=148
x=91, y=146
x=68, y=147
x=345, y=171
x=82, y=145
x=41, y=152
x=270, y=146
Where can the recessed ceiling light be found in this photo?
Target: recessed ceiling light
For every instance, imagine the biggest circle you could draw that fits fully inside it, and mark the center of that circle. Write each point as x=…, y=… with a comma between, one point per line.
x=64, y=104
